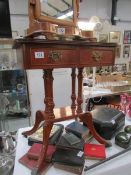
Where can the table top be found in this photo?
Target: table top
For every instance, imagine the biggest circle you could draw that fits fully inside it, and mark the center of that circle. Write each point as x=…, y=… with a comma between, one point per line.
x=90, y=92
x=19, y=41
x=116, y=166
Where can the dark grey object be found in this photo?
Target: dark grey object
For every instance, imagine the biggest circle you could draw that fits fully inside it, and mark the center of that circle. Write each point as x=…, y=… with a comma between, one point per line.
x=123, y=140
x=108, y=121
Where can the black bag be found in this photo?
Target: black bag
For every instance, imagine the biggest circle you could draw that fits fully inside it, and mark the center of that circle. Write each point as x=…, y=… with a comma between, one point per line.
x=107, y=121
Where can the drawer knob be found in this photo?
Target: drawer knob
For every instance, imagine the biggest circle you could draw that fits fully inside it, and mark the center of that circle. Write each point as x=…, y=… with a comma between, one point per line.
x=97, y=55
x=55, y=56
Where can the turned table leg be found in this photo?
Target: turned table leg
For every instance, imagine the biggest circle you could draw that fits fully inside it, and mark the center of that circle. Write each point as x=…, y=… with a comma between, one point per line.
x=73, y=95
x=47, y=115
x=79, y=99
x=48, y=86
x=46, y=133
x=42, y=164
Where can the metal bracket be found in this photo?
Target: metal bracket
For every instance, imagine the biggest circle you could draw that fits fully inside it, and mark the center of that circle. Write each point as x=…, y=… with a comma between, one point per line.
x=97, y=55
x=55, y=56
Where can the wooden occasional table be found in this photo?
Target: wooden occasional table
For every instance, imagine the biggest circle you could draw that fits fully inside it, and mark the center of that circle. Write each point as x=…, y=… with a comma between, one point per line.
x=47, y=55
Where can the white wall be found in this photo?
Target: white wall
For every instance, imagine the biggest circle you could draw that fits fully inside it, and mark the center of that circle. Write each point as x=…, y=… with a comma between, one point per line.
x=100, y=8
x=124, y=8
x=18, y=6
x=19, y=15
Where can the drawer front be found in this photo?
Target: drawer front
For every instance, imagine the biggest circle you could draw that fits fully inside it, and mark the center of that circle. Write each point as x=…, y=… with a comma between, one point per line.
x=97, y=56
x=53, y=57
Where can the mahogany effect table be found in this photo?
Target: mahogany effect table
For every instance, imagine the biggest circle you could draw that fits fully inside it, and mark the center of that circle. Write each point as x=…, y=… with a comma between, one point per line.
x=47, y=55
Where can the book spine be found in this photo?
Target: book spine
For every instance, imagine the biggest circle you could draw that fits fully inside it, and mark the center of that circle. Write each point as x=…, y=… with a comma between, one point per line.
x=73, y=169
x=33, y=156
x=36, y=157
x=67, y=147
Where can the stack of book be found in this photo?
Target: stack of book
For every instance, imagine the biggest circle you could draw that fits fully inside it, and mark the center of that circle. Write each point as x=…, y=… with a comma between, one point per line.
x=35, y=150
x=35, y=140
x=70, y=141
x=79, y=130
x=69, y=160
x=30, y=159
x=69, y=153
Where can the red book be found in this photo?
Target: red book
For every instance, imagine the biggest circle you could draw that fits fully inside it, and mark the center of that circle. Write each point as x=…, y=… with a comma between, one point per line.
x=31, y=163
x=94, y=151
x=35, y=150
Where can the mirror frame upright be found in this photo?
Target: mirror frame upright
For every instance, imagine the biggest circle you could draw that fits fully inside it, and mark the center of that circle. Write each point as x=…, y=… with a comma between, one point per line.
x=38, y=22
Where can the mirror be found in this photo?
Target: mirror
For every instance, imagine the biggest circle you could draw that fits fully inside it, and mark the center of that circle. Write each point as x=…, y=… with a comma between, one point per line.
x=49, y=10
x=63, y=9
x=44, y=14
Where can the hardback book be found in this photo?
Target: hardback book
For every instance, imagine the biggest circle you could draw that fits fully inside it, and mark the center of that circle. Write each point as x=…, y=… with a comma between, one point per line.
x=94, y=151
x=52, y=140
x=78, y=129
x=70, y=157
x=31, y=163
x=38, y=135
x=65, y=142
x=35, y=150
x=74, y=169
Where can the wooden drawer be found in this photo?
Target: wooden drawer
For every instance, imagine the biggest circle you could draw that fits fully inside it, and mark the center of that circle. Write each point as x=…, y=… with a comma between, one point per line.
x=53, y=57
x=97, y=56
x=48, y=54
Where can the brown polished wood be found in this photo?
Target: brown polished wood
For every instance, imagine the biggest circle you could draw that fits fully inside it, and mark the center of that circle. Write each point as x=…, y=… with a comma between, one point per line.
x=73, y=96
x=38, y=22
x=47, y=55
x=65, y=54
